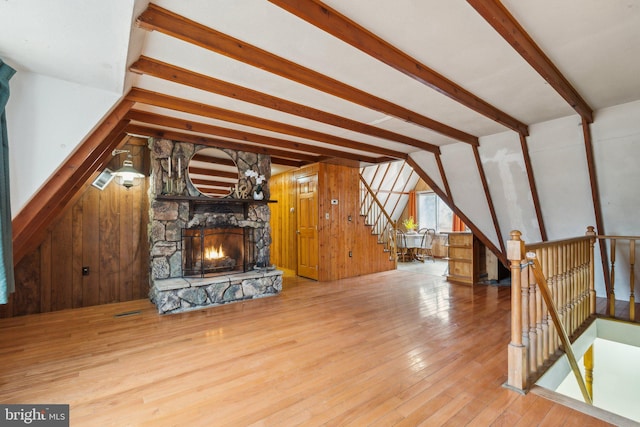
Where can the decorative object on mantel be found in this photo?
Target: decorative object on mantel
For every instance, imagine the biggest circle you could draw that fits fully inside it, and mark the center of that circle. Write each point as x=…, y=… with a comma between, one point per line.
x=168, y=185
x=241, y=190
x=212, y=172
x=180, y=164
x=257, y=191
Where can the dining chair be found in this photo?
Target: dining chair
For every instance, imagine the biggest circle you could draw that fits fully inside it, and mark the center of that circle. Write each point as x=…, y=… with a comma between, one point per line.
x=425, y=251
x=402, y=252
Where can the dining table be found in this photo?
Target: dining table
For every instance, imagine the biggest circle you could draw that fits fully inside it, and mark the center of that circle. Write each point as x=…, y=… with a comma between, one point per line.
x=412, y=242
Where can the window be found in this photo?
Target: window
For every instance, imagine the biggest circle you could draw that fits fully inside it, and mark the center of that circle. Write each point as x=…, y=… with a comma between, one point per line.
x=433, y=212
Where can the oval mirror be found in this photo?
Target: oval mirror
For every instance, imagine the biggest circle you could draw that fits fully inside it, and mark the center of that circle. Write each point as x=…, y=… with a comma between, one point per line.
x=213, y=172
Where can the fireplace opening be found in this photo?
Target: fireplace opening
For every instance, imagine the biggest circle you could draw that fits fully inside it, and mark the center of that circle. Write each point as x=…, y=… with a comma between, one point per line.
x=209, y=252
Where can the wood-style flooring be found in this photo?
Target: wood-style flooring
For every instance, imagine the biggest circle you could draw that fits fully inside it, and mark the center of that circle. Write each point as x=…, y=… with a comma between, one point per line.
x=399, y=348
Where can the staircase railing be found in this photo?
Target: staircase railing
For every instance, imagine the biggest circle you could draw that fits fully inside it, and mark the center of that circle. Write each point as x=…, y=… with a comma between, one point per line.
x=545, y=290
x=375, y=216
x=611, y=299
x=567, y=268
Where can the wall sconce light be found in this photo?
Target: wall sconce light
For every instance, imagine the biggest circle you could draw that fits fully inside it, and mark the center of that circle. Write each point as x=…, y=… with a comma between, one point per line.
x=127, y=175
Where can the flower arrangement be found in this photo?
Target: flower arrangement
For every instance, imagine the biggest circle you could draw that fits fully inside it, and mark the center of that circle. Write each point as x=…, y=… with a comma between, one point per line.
x=257, y=192
x=249, y=173
x=410, y=224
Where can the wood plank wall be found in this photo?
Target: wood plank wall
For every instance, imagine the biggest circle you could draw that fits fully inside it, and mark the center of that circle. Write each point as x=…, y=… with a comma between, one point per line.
x=103, y=230
x=337, y=235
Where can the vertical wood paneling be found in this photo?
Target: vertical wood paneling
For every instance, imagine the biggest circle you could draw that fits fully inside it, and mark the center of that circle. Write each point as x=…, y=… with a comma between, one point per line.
x=109, y=242
x=337, y=235
x=61, y=264
x=105, y=231
x=124, y=285
x=140, y=250
x=327, y=251
x=27, y=301
x=139, y=223
x=76, y=244
x=340, y=236
x=45, y=274
x=90, y=247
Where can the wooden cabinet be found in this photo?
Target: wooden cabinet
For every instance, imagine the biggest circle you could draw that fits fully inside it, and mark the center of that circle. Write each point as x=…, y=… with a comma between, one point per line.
x=439, y=246
x=464, y=258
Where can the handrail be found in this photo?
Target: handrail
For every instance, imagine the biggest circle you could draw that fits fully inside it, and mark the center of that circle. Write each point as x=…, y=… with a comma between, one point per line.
x=568, y=269
x=377, y=217
x=376, y=201
x=551, y=243
x=565, y=271
x=551, y=306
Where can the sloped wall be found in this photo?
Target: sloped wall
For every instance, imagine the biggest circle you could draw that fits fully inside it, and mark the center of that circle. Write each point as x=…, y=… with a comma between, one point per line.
x=105, y=231
x=47, y=119
x=558, y=161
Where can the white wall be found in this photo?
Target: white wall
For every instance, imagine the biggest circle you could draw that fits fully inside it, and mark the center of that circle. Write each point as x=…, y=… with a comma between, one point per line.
x=616, y=139
x=428, y=163
x=466, y=187
x=46, y=119
x=503, y=163
x=559, y=162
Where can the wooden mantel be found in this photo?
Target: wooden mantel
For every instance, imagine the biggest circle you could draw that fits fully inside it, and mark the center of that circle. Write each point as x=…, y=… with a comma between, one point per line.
x=211, y=204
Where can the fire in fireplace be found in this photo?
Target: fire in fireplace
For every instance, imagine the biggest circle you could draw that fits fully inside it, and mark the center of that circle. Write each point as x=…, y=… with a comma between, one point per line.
x=212, y=251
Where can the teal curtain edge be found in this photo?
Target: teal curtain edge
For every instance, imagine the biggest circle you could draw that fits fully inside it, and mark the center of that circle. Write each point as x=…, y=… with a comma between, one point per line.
x=7, y=280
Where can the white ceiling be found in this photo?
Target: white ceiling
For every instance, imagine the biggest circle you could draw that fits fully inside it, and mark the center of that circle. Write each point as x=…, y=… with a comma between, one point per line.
x=594, y=43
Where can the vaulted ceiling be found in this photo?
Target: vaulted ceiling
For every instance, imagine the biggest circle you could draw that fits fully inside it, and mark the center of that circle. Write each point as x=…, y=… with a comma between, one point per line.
x=362, y=82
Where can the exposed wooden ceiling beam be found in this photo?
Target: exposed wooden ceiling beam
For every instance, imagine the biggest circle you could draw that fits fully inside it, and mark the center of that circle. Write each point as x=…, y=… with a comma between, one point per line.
x=487, y=195
x=597, y=205
x=178, y=104
x=532, y=186
x=286, y=162
x=174, y=25
x=341, y=27
x=443, y=176
x=449, y=201
x=172, y=122
x=510, y=29
x=30, y=224
x=162, y=70
x=217, y=143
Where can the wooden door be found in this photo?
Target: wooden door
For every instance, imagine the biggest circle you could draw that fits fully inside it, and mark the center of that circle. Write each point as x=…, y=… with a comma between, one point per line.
x=307, y=232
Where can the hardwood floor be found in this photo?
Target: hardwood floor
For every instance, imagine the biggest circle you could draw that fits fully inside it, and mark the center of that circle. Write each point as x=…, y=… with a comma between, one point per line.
x=395, y=348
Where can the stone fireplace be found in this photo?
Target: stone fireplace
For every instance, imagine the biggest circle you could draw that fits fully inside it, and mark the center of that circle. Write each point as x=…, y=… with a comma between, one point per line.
x=189, y=231
x=213, y=251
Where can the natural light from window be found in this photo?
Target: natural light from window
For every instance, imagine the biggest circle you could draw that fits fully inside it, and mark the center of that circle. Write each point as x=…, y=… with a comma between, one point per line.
x=433, y=212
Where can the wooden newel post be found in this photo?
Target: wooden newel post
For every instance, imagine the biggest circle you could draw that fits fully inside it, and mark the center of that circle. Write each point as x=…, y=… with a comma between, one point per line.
x=517, y=376
x=592, y=277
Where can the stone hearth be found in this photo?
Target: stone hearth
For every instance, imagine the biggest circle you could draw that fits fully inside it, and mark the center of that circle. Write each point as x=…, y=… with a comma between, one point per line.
x=188, y=293
x=183, y=208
